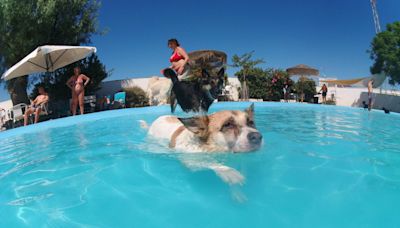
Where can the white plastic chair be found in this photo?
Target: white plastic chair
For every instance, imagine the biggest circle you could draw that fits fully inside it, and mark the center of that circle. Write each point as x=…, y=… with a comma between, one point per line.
x=45, y=109
x=18, y=112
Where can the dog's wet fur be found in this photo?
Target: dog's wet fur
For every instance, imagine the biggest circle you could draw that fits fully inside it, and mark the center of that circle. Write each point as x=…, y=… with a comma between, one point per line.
x=196, y=95
x=223, y=131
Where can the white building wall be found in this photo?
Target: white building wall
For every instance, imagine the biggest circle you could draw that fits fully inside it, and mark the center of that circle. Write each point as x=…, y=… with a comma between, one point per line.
x=234, y=81
x=6, y=104
x=112, y=87
x=354, y=97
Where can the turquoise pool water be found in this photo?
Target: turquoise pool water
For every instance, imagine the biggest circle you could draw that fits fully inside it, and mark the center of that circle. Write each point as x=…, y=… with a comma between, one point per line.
x=320, y=166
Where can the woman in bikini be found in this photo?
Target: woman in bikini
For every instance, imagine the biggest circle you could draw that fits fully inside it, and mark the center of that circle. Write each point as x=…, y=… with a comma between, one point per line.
x=179, y=57
x=77, y=84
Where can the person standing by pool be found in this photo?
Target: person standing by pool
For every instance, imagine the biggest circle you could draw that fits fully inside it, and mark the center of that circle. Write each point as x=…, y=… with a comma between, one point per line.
x=324, y=90
x=370, y=91
x=286, y=90
x=179, y=58
x=77, y=84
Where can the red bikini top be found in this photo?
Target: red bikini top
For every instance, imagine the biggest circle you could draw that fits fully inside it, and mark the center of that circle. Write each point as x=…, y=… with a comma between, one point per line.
x=175, y=57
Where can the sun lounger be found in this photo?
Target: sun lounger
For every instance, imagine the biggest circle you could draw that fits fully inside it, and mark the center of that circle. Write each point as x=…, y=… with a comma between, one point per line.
x=17, y=113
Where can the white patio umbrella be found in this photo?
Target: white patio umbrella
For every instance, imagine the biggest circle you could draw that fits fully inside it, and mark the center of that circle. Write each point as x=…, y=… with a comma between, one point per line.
x=47, y=58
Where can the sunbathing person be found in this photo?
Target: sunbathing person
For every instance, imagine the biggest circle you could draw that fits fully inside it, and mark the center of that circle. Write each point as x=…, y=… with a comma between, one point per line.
x=36, y=106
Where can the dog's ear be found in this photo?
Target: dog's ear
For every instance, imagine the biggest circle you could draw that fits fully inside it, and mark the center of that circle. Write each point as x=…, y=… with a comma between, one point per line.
x=221, y=73
x=169, y=73
x=221, y=77
x=205, y=74
x=198, y=125
x=250, y=111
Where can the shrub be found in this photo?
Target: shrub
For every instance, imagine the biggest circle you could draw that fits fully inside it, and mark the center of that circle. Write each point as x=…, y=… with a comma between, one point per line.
x=305, y=89
x=266, y=84
x=275, y=83
x=136, y=97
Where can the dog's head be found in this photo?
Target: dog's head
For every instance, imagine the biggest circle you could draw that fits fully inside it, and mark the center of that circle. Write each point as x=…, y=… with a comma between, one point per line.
x=213, y=83
x=226, y=130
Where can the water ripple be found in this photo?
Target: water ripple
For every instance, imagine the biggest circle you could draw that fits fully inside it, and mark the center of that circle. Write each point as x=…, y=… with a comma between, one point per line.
x=314, y=157
x=29, y=199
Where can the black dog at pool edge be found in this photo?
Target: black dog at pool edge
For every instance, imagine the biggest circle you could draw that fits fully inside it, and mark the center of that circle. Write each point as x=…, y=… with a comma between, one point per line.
x=196, y=95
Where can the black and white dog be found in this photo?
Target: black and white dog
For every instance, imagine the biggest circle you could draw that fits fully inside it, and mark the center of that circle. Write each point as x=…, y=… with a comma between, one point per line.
x=196, y=95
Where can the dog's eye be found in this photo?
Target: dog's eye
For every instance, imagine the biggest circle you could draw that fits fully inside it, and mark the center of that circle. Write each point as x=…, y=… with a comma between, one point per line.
x=250, y=123
x=227, y=125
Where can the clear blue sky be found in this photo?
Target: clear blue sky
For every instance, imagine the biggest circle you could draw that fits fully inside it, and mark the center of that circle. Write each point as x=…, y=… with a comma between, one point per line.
x=333, y=36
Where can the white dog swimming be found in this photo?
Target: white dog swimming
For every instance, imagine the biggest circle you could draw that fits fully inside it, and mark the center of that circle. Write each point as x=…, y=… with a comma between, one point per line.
x=222, y=131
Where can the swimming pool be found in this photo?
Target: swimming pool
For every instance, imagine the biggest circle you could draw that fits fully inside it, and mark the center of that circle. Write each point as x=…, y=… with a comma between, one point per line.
x=320, y=166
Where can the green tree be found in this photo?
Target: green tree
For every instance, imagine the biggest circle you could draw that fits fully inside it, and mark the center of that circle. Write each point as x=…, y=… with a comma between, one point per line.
x=256, y=81
x=385, y=52
x=305, y=89
x=24, y=25
x=276, y=81
x=266, y=84
x=246, y=65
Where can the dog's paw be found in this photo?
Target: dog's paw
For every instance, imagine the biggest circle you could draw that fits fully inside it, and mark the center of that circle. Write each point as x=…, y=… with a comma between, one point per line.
x=229, y=175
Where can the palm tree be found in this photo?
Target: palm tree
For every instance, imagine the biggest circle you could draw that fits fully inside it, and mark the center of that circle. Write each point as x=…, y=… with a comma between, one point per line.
x=245, y=63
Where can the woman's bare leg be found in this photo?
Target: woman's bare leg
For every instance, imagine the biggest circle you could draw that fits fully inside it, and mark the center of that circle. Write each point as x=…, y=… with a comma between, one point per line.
x=74, y=104
x=81, y=97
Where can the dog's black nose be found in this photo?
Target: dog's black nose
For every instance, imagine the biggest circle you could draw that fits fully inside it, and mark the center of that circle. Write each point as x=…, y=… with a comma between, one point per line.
x=254, y=137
